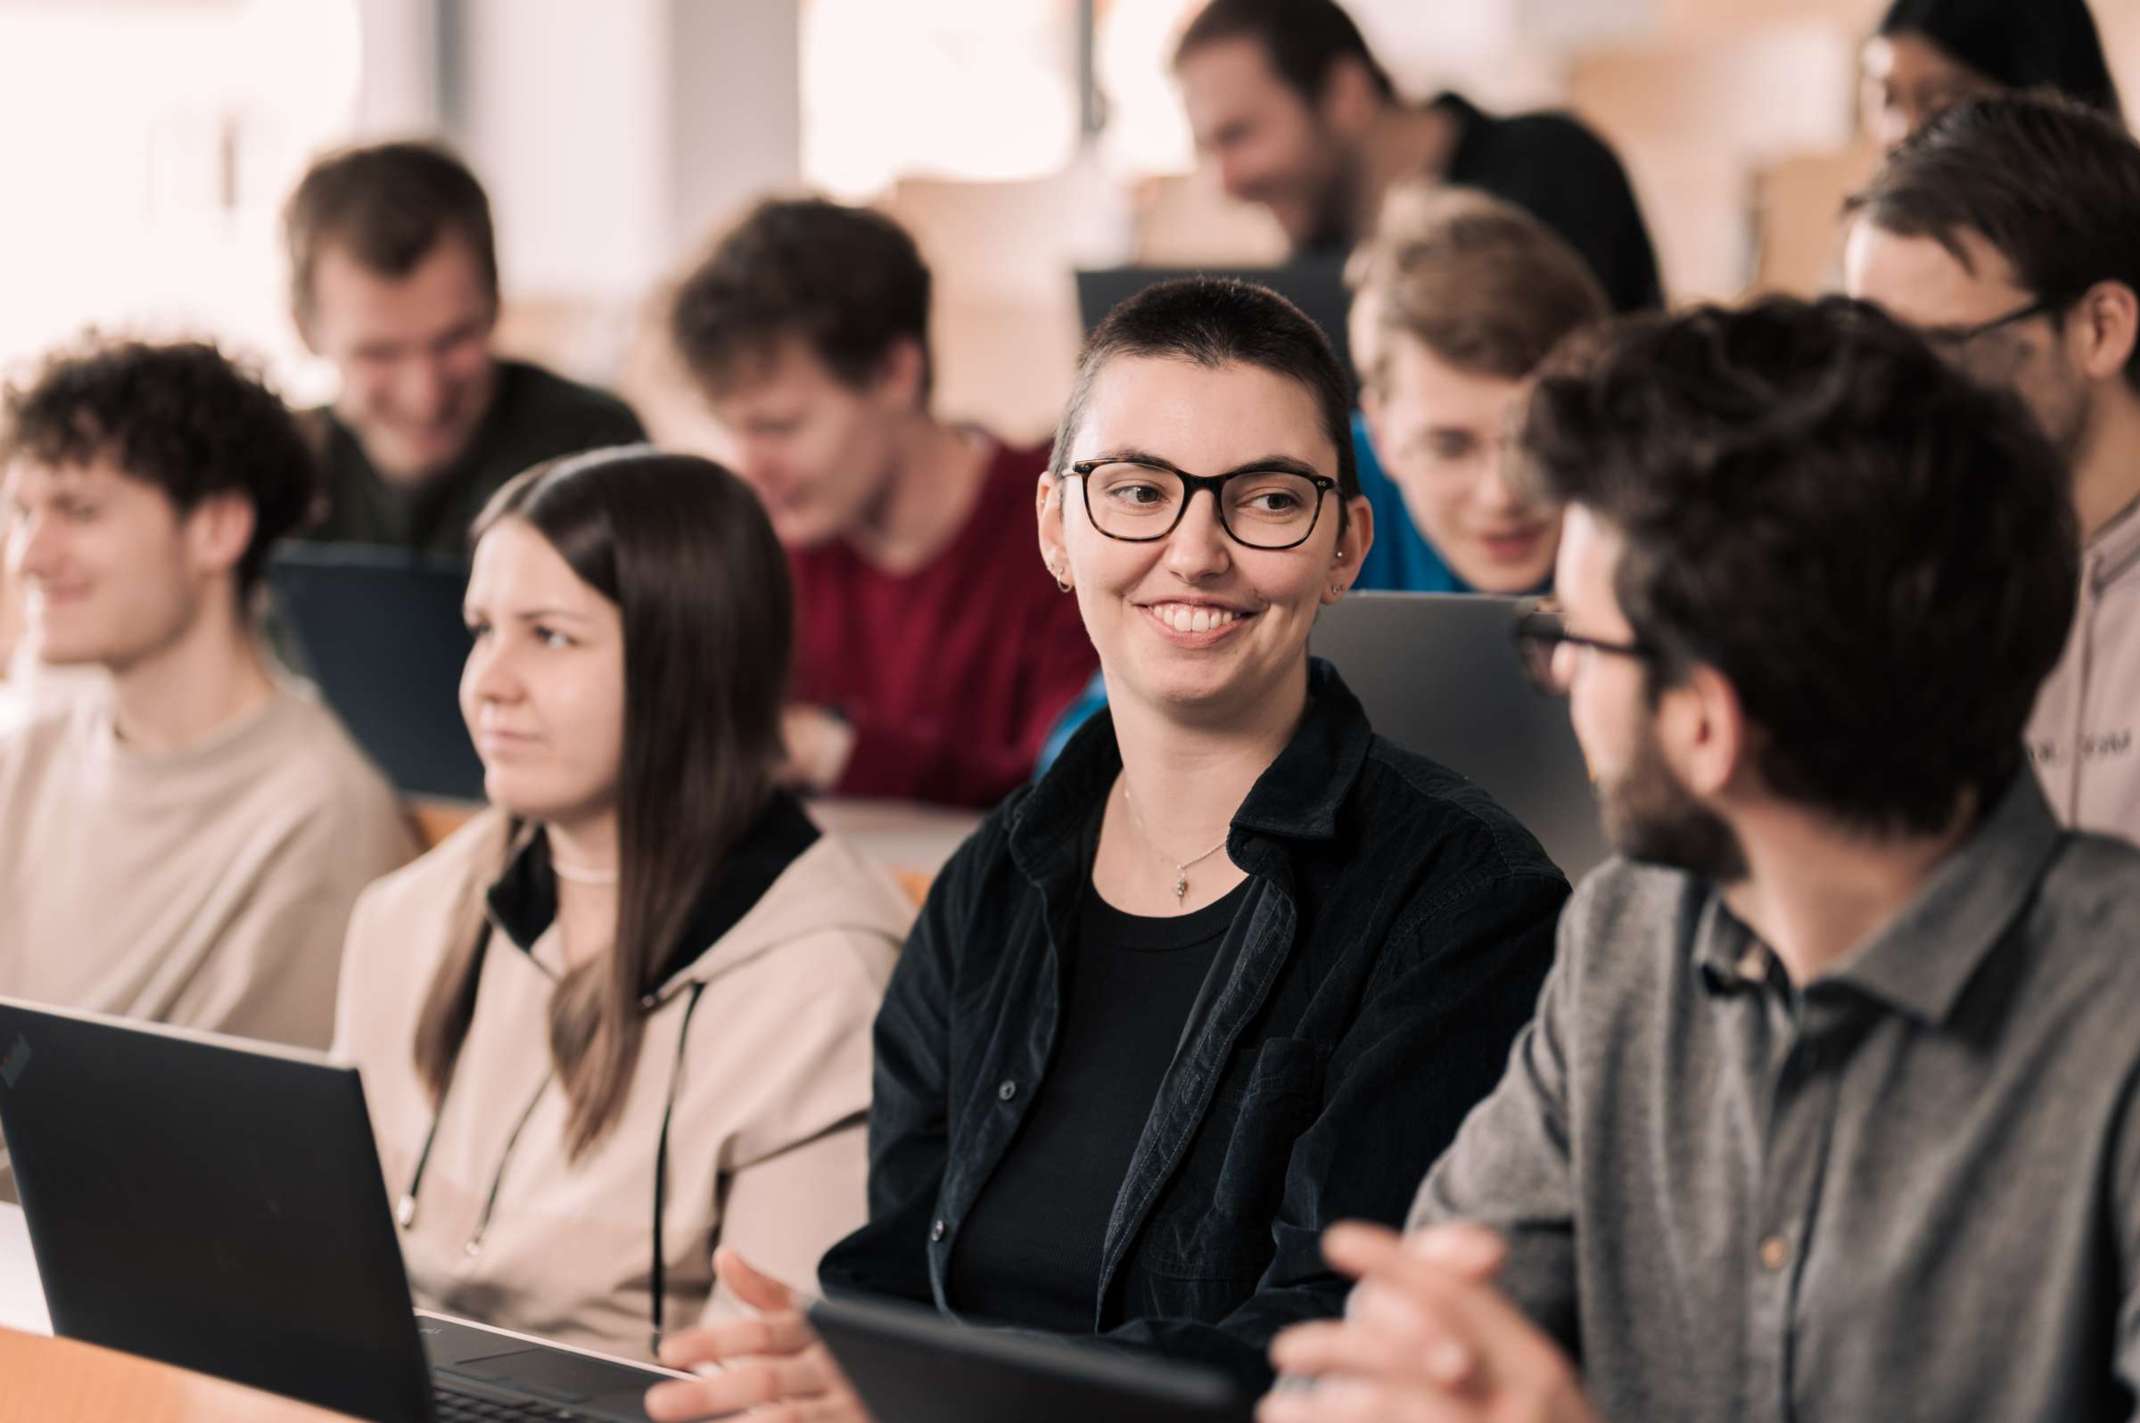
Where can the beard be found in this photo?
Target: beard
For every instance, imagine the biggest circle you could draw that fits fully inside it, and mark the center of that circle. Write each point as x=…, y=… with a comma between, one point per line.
x=1334, y=222
x=1649, y=816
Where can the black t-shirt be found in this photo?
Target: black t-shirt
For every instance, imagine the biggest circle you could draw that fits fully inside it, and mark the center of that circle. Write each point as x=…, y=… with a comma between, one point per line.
x=1029, y=1253
x=1564, y=175
x=533, y=416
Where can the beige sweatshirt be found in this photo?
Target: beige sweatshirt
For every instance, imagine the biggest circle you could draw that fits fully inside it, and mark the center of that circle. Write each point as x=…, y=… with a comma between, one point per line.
x=2085, y=734
x=209, y=887
x=770, y=1080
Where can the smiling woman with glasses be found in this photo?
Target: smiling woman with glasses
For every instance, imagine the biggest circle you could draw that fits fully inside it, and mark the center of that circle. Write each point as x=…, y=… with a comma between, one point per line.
x=1235, y=967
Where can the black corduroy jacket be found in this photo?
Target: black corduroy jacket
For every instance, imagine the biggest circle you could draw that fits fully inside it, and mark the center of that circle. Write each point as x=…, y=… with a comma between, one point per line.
x=1399, y=932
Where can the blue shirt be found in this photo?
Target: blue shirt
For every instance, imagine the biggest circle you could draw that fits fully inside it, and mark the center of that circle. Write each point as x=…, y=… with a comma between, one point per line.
x=1401, y=560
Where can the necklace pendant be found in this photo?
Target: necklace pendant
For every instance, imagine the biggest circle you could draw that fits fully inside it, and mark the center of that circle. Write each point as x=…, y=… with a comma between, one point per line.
x=1181, y=888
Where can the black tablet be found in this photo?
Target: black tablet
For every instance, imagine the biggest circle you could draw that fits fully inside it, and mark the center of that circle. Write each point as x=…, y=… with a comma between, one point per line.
x=913, y=1365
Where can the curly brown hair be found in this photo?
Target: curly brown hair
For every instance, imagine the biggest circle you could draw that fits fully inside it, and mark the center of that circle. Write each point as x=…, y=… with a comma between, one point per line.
x=1878, y=553
x=181, y=416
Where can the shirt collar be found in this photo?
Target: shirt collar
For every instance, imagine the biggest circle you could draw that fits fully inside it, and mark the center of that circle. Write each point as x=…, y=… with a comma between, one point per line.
x=523, y=900
x=2114, y=550
x=1923, y=960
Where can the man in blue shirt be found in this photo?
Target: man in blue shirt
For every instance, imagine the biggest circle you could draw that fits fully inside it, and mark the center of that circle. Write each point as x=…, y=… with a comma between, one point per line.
x=1460, y=297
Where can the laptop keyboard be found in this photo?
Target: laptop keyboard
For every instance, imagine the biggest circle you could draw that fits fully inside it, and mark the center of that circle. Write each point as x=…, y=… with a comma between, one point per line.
x=451, y=1407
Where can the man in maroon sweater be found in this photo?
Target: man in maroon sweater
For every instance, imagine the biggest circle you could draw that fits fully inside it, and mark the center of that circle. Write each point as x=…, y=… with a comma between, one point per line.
x=932, y=648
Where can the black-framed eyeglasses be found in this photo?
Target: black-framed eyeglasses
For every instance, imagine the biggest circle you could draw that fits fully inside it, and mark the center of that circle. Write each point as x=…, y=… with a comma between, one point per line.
x=1140, y=499
x=1956, y=337
x=1540, y=634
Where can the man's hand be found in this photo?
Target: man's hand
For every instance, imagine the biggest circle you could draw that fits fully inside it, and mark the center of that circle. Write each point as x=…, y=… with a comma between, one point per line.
x=772, y=1363
x=1426, y=1338
x=819, y=744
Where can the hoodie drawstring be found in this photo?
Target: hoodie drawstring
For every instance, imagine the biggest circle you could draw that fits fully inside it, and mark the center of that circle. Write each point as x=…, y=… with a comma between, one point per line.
x=657, y=1274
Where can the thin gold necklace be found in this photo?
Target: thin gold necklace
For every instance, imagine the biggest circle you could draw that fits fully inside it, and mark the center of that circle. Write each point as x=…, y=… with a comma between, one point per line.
x=1181, y=867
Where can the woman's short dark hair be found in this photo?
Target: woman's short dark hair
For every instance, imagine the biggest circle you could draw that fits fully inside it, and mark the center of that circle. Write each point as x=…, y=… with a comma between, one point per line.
x=1878, y=553
x=1303, y=38
x=846, y=281
x=2037, y=44
x=1219, y=321
x=685, y=551
x=2053, y=186
x=180, y=416
x=387, y=206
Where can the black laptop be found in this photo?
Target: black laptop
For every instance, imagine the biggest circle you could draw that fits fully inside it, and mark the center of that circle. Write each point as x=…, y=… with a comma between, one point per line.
x=1438, y=674
x=379, y=630
x=219, y=1205
x=912, y=1365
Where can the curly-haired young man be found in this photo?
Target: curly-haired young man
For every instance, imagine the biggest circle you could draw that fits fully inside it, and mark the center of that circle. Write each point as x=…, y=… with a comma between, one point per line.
x=186, y=846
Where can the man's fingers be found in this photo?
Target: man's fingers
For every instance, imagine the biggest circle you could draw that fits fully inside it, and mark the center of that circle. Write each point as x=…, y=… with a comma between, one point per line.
x=1421, y=1358
x=1472, y=1251
x=1354, y=1400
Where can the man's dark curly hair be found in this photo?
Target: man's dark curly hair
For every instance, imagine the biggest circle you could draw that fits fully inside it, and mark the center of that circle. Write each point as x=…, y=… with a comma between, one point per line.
x=847, y=281
x=180, y=416
x=1878, y=554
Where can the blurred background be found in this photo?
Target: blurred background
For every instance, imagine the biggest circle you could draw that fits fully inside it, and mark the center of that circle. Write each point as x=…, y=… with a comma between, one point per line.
x=149, y=145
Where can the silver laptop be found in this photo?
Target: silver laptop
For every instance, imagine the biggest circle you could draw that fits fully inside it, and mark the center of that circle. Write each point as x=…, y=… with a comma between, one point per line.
x=1439, y=675
x=218, y=1205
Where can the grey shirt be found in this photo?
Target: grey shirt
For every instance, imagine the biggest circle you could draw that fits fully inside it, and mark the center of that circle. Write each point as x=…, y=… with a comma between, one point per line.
x=1911, y=1191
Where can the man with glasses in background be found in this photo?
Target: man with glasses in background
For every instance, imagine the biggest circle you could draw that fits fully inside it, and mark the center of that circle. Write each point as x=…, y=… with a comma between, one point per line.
x=1831, y=1106
x=2004, y=231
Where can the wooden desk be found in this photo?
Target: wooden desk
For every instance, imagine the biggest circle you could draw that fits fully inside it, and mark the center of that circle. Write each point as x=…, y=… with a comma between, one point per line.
x=62, y=1381
x=911, y=838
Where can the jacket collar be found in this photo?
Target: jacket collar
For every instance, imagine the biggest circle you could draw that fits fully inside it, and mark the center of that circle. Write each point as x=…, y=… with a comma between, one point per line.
x=523, y=900
x=1295, y=801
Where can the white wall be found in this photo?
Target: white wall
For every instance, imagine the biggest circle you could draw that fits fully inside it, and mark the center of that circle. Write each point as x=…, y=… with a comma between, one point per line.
x=612, y=135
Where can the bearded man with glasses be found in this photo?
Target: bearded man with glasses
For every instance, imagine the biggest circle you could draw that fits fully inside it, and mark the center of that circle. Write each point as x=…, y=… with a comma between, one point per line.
x=2004, y=233
x=1831, y=1109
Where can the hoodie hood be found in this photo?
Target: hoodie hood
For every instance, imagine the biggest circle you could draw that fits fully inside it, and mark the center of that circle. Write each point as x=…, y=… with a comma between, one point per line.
x=748, y=905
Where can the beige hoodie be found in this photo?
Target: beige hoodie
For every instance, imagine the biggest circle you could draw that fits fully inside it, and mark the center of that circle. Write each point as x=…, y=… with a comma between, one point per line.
x=2085, y=734
x=769, y=1075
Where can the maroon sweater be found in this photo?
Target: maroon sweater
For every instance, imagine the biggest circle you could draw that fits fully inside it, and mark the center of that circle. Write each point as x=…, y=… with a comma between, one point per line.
x=950, y=675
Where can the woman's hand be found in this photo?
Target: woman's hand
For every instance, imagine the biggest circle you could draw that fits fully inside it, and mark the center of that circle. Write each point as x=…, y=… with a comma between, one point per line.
x=771, y=1363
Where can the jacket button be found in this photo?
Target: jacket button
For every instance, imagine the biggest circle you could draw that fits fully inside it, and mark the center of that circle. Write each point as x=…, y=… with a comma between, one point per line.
x=937, y=1230
x=1008, y=1090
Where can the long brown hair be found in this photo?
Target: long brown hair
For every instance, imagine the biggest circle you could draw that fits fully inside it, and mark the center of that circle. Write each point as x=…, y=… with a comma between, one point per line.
x=684, y=550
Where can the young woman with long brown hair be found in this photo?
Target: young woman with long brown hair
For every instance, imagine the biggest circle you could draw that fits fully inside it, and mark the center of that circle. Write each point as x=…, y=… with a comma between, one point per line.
x=622, y=1016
